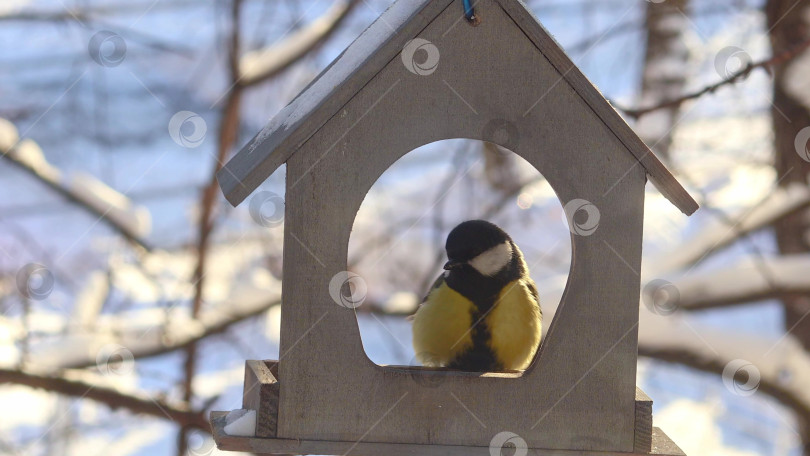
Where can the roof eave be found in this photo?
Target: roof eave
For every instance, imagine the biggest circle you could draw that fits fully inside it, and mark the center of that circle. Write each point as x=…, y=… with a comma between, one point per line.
x=334, y=87
x=660, y=176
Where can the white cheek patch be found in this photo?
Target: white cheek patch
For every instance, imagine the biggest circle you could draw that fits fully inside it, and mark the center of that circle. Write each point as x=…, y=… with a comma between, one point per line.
x=493, y=260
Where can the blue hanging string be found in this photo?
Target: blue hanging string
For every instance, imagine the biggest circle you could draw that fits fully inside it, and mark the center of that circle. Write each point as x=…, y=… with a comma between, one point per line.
x=469, y=11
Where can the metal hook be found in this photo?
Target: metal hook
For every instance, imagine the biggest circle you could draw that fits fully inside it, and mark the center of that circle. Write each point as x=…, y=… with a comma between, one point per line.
x=469, y=12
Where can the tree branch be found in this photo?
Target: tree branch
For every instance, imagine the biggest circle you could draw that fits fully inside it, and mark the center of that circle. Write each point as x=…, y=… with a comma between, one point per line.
x=749, y=281
x=146, y=342
x=779, y=367
x=262, y=64
x=743, y=73
x=778, y=204
x=228, y=130
x=27, y=156
x=109, y=397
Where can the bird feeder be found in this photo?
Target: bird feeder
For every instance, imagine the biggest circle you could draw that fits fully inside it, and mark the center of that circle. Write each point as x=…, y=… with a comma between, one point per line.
x=421, y=73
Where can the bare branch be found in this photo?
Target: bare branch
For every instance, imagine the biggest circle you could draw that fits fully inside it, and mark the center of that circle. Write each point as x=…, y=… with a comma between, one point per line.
x=80, y=351
x=92, y=16
x=768, y=385
x=109, y=397
x=743, y=73
x=715, y=236
x=749, y=281
x=664, y=73
x=228, y=130
x=781, y=363
x=262, y=64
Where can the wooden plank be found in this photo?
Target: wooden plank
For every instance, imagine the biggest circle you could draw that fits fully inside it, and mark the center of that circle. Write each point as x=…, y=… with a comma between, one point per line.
x=662, y=445
x=261, y=394
x=580, y=392
x=291, y=127
x=568, y=71
x=643, y=436
x=269, y=149
x=273, y=366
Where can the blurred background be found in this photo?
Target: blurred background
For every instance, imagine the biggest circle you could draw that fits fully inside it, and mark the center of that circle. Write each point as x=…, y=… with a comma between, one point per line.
x=131, y=292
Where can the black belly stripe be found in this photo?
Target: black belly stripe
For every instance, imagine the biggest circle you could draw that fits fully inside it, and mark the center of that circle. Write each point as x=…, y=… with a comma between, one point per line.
x=479, y=358
x=484, y=293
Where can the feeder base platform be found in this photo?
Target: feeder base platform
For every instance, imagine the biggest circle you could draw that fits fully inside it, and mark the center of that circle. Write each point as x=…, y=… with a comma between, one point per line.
x=661, y=446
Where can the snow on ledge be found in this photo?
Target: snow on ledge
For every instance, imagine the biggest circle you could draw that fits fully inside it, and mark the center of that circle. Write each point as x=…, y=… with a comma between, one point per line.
x=240, y=422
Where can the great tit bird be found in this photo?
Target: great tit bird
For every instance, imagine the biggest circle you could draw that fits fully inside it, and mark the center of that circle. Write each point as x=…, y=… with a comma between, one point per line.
x=483, y=313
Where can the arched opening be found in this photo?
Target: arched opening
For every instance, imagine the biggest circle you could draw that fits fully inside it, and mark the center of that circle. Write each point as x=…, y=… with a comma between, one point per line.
x=397, y=243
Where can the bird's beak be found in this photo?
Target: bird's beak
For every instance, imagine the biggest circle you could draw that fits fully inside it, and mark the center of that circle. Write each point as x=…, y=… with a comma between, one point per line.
x=452, y=264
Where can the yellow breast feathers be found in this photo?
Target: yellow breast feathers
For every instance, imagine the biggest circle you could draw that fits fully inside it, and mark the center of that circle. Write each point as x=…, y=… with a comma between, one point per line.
x=441, y=326
x=515, y=325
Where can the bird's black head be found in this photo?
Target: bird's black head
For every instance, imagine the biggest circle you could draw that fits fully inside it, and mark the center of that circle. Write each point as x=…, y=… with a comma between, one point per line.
x=481, y=245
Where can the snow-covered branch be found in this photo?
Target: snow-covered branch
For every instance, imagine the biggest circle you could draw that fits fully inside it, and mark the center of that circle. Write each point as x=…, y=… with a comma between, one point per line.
x=142, y=341
x=112, y=398
x=714, y=236
x=777, y=367
x=261, y=64
x=114, y=208
x=752, y=280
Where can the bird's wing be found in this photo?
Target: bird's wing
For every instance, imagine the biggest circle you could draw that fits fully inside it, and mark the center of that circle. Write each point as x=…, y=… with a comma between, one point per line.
x=533, y=291
x=436, y=284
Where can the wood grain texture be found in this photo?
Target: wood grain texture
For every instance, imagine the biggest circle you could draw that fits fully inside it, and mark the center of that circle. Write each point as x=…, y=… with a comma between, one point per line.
x=261, y=394
x=662, y=446
x=568, y=71
x=579, y=394
x=265, y=153
x=255, y=162
x=644, y=427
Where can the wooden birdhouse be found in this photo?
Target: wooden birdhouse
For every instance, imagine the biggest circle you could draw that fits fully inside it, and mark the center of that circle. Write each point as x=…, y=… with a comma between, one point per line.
x=419, y=74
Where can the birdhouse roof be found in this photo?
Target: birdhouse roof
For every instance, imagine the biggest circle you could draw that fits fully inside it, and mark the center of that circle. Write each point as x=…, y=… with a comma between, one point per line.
x=368, y=54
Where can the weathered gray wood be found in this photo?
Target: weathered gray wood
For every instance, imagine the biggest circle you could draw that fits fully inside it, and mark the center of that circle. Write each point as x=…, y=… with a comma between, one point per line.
x=519, y=90
x=644, y=427
x=274, y=145
x=580, y=392
x=568, y=71
x=261, y=394
x=266, y=152
x=663, y=446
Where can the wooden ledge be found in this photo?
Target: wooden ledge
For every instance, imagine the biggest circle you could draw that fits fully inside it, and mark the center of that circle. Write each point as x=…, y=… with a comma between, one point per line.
x=261, y=393
x=661, y=446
